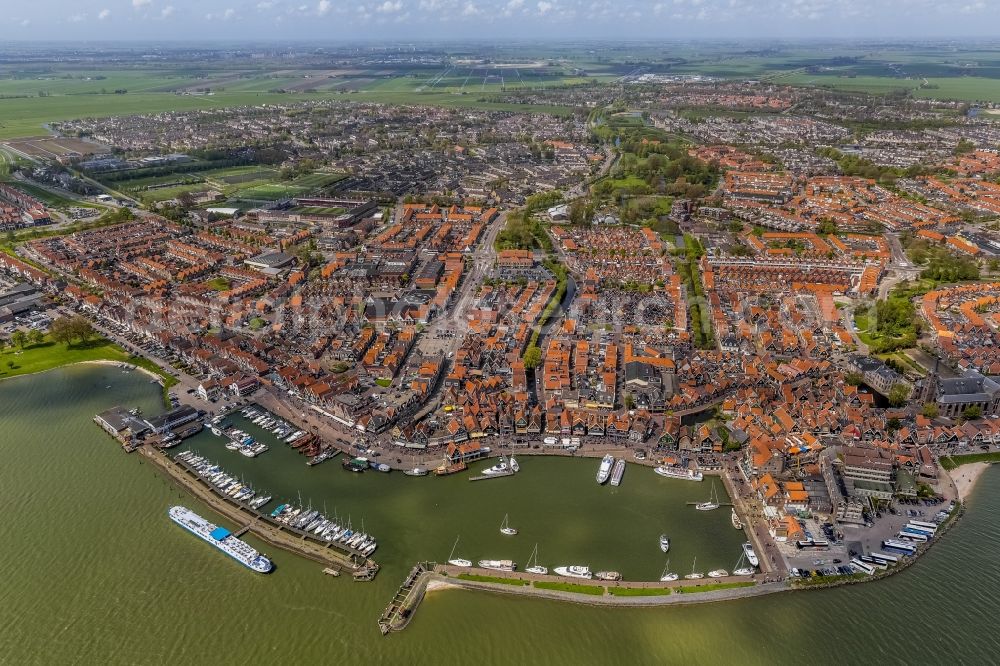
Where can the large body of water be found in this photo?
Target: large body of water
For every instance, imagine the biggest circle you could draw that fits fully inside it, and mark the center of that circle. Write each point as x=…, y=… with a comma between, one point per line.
x=94, y=572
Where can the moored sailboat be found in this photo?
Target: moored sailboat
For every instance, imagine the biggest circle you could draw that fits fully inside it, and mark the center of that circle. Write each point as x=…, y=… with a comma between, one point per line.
x=535, y=568
x=457, y=561
x=505, y=527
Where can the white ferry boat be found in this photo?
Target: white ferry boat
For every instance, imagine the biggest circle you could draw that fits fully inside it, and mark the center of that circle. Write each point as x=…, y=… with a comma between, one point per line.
x=672, y=472
x=574, y=571
x=604, y=471
x=221, y=538
x=751, y=556
x=618, y=472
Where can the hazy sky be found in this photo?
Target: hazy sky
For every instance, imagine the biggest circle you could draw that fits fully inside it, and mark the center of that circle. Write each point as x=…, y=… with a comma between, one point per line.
x=452, y=20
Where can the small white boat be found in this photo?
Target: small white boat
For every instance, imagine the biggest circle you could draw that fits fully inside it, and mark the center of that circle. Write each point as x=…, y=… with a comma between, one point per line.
x=500, y=468
x=608, y=575
x=513, y=464
x=505, y=527
x=664, y=543
x=718, y=573
x=737, y=523
x=751, y=555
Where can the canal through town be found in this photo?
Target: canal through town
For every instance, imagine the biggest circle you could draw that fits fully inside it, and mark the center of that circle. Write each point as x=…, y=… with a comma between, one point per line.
x=96, y=573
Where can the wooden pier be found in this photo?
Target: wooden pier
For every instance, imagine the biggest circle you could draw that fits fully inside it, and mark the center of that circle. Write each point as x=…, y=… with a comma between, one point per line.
x=400, y=610
x=498, y=475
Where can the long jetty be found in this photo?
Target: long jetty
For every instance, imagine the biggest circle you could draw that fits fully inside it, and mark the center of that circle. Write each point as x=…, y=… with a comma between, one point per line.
x=261, y=524
x=424, y=576
x=408, y=596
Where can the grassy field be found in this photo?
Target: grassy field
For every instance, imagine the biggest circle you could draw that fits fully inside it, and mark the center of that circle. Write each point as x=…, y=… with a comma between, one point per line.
x=639, y=591
x=218, y=283
x=48, y=355
x=50, y=199
x=594, y=590
x=951, y=462
x=235, y=183
x=714, y=586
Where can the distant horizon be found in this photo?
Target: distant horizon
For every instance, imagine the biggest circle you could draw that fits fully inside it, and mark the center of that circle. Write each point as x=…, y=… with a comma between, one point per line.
x=308, y=21
x=940, y=40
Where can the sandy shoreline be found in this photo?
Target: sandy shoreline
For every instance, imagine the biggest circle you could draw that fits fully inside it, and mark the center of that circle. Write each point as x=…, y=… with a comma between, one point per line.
x=965, y=477
x=435, y=584
x=96, y=361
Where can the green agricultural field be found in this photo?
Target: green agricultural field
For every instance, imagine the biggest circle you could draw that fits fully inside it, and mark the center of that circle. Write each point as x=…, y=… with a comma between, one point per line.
x=26, y=116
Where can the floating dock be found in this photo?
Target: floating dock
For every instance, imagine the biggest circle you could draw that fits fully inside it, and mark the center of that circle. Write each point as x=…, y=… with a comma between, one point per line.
x=498, y=475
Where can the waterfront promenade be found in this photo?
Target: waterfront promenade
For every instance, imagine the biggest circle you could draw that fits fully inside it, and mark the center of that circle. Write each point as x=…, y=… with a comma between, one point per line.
x=438, y=581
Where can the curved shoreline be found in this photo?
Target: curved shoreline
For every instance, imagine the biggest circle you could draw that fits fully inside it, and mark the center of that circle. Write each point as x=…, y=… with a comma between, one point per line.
x=96, y=361
x=965, y=477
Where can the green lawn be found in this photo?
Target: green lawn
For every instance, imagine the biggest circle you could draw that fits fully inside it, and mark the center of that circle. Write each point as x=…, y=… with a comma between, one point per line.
x=951, y=462
x=493, y=579
x=48, y=355
x=384, y=383
x=639, y=591
x=50, y=199
x=218, y=283
x=594, y=590
x=714, y=586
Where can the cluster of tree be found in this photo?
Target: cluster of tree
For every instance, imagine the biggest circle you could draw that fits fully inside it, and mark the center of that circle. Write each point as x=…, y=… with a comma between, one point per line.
x=542, y=200
x=894, y=325
x=523, y=232
x=21, y=338
x=851, y=165
x=68, y=329
x=944, y=266
x=301, y=168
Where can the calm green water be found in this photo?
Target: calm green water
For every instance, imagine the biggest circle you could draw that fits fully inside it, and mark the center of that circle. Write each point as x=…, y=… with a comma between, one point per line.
x=94, y=573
